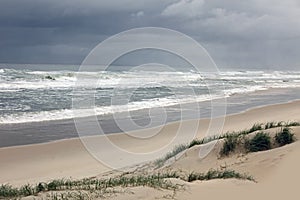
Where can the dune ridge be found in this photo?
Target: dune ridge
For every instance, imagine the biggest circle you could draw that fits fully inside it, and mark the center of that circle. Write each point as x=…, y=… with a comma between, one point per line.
x=276, y=168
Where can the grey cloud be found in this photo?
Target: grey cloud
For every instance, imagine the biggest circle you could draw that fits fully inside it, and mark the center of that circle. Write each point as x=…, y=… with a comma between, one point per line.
x=268, y=18
x=184, y=8
x=246, y=33
x=237, y=33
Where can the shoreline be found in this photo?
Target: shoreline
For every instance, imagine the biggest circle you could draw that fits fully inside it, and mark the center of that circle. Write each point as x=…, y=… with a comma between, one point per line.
x=59, y=130
x=167, y=124
x=69, y=158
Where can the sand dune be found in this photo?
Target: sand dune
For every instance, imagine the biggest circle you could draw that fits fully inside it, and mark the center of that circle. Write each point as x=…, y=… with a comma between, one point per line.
x=276, y=173
x=276, y=170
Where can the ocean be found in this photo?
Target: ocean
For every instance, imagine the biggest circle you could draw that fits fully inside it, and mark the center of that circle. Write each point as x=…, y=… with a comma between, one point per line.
x=31, y=97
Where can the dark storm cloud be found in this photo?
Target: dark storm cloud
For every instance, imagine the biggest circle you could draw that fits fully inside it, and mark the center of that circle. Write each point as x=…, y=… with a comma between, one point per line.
x=63, y=31
x=236, y=33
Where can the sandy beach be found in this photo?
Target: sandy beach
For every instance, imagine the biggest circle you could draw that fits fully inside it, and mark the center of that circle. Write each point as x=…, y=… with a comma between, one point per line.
x=275, y=170
x=176, y=99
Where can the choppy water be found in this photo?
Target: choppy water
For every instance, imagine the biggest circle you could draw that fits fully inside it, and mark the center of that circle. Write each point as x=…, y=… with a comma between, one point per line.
x=32, y=96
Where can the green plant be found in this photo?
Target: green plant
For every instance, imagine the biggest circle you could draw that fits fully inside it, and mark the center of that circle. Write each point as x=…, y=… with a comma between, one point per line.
x=260, y=142
x=289, y=124
x=229, y=148
x=177, y=149
x=204, y=140
x=55, y=185
x=26, y=190
x=215, y=174
x=256, y=127
x=8, y=191
x=90, y=185
x=196, y=142
x=270, y=125
x=229, y=145
x=285, y=136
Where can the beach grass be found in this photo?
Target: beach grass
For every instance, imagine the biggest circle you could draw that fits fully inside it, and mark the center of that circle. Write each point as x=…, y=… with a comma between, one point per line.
x=230, y=144
x=284, y=137
x=82, y=189
x=230, y=140
x=154, y=181
x=215, y=174
x=260, y=142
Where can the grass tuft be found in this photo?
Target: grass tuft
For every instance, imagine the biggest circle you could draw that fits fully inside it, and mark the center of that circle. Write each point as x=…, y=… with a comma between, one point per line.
x=256, y=127
x=260, y=142
x=229, y=145
x=284, y=137
x=177, y=149
x=214, y=174
x=290, y=124
x=8, y=191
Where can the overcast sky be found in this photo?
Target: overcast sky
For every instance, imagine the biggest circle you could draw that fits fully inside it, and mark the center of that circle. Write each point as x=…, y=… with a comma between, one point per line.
x=236, y=33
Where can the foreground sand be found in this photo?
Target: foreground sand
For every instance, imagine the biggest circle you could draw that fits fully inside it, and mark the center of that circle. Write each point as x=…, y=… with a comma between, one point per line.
x=284, y=183
x=276, y=170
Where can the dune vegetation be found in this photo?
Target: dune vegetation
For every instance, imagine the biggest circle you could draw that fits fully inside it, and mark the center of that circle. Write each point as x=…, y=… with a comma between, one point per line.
x=97, y=188
x=232, y=139
x=251, y=140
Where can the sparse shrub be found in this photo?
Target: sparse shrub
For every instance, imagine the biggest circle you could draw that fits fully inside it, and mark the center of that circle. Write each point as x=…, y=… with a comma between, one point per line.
x=192, y=177
x=260, y=142
x=54, y=185
x=8, y=191
x=279, y=124
x=215, y=174
x=229, y=145
x=293, y=124
x=284, y=137
x=177, y=149
x=270, y=125
x=256, y=127
x=243, y=132
x=26, y=190
x=204, y=140
x=41, y=187
x=196, y=142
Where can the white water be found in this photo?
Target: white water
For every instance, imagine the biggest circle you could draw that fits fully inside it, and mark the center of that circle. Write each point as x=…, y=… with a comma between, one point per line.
x=32, y=96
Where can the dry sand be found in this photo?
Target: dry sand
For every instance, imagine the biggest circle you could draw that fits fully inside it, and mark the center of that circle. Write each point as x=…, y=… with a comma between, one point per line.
x=276, y=170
